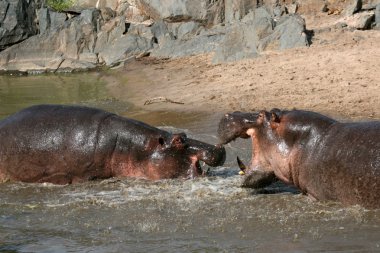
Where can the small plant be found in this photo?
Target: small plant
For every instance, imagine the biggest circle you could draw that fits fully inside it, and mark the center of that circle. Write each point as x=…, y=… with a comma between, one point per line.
x=60, y=5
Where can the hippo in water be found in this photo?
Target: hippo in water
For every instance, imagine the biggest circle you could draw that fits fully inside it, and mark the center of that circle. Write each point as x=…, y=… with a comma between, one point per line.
x=68, y=144
x=324, y=158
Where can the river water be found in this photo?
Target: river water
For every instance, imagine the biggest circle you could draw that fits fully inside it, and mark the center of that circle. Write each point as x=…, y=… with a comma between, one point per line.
x=211, y=214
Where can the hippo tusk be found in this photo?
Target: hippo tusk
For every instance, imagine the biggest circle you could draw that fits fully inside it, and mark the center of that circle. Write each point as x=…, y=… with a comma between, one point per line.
x=242, y=166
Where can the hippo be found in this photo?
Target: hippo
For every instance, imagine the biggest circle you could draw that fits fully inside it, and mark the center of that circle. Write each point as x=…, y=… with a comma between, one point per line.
x=63, y=144
x=324, y=158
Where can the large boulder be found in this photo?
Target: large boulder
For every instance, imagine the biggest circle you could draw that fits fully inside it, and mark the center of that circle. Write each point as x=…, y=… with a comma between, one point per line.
x=353, y=7
x=17, y=21
x=116, y=45
x=175, y=10
x=360, y=21
x=242, y=39
x=205, y=42
x=63, y=48
x=257, y=32
x=289, y=32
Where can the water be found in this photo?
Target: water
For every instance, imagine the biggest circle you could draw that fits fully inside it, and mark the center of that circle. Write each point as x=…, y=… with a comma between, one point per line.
x=210, y=214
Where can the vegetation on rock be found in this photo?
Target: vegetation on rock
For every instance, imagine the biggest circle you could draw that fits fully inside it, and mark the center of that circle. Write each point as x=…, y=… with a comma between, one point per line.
x=60, y=5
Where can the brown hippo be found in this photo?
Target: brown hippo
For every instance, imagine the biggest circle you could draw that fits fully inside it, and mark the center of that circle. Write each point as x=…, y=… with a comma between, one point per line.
x=68, y=144
x=324, y=158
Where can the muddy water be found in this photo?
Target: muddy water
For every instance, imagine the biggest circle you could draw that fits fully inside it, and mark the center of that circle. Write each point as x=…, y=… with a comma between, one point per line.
x=210, y=214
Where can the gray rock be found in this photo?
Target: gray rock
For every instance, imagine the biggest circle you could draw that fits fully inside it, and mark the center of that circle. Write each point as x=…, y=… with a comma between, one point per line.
x=289, y=32
x=360, y=21
x=124, y=47
x=174, y=10
x=43, y=19
x=16, y=21
x=370, y=4
x=242, y=39
x=183, y=29
x=377, y=17
x=110, y=31
x=205, y=42
x=50, y=20
x=279, y=10
x=235, y=10
x=72, y=42
x=353, y=7
x=161, y=33
x=240, y=42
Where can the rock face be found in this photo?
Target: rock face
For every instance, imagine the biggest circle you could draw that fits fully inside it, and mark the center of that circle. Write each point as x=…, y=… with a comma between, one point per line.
x=258, y=32
x=92, y=33
x=377, y=17
x=16, y=21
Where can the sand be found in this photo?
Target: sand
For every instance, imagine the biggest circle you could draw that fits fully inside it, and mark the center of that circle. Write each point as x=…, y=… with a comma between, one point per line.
x=338, y=75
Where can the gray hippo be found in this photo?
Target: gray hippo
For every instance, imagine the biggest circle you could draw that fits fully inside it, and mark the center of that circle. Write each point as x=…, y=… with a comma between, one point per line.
x=324, y=158
x=68, y=144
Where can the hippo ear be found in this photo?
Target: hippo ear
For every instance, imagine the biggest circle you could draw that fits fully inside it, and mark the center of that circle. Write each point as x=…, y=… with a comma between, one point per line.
x=275, y=118
x=178, y=140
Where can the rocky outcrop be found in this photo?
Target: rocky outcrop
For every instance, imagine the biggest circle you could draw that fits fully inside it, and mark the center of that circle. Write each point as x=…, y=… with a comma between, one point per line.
x=93, y=33
x=259, y=31
x=17, y=21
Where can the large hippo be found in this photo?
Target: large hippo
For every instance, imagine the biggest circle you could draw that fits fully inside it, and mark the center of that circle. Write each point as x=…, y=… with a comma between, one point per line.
x=324, y=158
x=68, y=144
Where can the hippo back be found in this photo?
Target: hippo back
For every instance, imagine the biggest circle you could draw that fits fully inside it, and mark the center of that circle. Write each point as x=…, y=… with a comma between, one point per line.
x=32, y=138
x=348, y=158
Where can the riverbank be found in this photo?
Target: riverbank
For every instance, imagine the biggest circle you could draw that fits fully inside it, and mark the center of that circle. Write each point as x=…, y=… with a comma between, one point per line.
x=337, y=75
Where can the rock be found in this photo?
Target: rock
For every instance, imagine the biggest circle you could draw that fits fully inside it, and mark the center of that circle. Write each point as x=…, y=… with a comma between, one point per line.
x=289, y=32
x=183, y=29
x=313, y=6
x=206, y=42
x=292, y=8
x=279, y=10
x=50, y=20
x=353, y=7
x=80, y=5
x=107, y=14
x=161, y=33
x=235, y=10
x=131, y=12
x=122, y=48
x=216, y=13
x=242, y=38
x=174, y=10
x=240, y=42
x=258, y=32
x=72, y=43
x=377, y=17
x=360, y=21
x=16, y=21
x=370, y=4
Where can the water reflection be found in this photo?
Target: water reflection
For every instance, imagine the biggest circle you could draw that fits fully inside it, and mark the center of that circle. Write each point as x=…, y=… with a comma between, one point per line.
x=17, y=93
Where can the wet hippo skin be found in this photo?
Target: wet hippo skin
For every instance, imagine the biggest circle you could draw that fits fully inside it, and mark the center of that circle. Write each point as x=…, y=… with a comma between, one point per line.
x=68, y=144
x=324, y=158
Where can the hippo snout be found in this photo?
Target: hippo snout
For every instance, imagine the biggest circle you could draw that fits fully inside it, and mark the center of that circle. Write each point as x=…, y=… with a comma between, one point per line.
x=215, y=156
x=210, y=154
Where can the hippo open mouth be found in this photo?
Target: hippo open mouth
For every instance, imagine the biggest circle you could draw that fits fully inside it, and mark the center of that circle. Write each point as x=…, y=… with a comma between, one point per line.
x=210, y=155
x=235, y=125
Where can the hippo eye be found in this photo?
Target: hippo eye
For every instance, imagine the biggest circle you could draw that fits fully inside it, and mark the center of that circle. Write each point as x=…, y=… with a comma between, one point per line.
x=161, y=141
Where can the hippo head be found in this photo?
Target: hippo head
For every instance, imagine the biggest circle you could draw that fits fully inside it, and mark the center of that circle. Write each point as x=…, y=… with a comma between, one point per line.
x=258, y=126
x=237, y=125
x=175, y=155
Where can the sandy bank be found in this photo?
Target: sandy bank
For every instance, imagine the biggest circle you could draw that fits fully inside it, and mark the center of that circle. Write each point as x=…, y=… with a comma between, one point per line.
x=338, y=75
